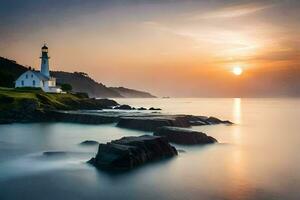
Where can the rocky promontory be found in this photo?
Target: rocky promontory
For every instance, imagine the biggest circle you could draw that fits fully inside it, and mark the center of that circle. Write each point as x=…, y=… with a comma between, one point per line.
x=129, y=152
x=34, y=105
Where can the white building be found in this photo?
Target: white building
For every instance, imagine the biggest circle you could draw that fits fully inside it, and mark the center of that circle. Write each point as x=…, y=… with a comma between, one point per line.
x=41, y=79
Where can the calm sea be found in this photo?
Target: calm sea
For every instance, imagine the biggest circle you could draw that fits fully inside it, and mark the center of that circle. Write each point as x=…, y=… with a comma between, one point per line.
x=257, y=158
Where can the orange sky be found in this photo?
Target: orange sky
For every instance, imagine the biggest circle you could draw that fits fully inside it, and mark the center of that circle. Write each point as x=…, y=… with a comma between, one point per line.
x=169, y=48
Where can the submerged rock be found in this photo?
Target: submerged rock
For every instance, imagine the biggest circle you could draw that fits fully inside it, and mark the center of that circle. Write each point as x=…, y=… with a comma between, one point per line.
x=63, y=154
x=184, y=136
x=89, y=142
x=55, y=153
x=129, y=152
x=152, y=108
x=214, y=120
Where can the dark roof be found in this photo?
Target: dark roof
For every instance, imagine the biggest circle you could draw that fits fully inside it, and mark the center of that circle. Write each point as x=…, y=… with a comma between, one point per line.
x=44, y=47
x=40, y=75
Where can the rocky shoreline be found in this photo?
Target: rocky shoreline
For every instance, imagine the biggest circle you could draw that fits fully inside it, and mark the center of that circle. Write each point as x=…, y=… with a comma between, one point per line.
x=104, y=113
x=128, y=152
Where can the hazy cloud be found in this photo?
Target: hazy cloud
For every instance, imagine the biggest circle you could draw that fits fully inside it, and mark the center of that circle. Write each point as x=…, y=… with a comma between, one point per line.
x=233, y=11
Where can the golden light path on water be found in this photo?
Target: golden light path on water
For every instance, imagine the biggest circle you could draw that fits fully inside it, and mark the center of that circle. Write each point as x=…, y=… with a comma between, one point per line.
x=239, y=187
x=236, y=112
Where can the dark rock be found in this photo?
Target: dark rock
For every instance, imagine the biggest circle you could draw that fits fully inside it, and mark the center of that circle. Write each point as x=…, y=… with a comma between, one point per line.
x=144, y=123
x=214, y=120
x=154, y=108
x=55, y=153
x=184, y=136
x=198, y=123
x=102, y=103
x=197, y=120
x=79, y=118
x=6, y=99
x=151, y=123
x=92, y=104
x=142, y=108
x=63, y=154
x=129, y=152
x=28, y=105
x=155, y=112
x=89, y=142
x=123, y=107
x=26, y=111
x=227, y=122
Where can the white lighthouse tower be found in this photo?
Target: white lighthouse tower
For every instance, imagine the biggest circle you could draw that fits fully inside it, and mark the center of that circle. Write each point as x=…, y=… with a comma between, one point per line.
x=45, y=61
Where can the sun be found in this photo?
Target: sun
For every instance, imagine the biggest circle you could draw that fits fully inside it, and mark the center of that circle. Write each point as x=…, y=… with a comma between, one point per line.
x=237, y=71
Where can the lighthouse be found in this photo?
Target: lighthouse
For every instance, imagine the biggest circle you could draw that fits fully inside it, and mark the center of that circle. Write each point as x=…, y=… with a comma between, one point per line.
x=45, y=61
x=42, y=79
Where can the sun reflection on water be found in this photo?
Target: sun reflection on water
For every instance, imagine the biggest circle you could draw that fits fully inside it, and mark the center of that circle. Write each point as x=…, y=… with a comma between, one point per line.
x=238, y=185
x=237, y=110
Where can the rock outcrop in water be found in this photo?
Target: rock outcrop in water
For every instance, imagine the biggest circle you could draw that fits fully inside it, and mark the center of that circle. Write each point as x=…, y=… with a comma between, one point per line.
x=151, y=123
x=152, y=108
x=129, y=152
x=123, y=107
x=144, y=123
x=89, y=143
x=184, y=136
x=214, y=120
x=54, y=153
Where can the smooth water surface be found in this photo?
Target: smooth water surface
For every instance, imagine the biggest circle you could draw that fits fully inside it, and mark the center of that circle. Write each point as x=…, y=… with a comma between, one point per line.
x=257, y=158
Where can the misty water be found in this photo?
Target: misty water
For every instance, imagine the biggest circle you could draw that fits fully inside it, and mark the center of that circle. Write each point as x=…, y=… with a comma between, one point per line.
x=257, y=158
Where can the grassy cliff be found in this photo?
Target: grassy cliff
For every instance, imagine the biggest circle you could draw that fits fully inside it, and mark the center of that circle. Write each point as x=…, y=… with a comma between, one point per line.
x=15, y=99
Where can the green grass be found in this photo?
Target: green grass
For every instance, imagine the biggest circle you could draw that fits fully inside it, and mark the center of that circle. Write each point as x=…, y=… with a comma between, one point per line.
x=11, y=98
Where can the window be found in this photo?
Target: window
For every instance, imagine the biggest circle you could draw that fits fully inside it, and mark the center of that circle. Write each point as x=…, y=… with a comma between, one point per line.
x=33, y=82
x=26, y=75
x=44, y=61
x=22, y=82
x=31, y=75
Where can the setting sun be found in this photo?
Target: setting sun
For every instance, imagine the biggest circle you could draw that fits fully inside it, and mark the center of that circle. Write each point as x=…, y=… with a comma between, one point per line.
x=237, y=71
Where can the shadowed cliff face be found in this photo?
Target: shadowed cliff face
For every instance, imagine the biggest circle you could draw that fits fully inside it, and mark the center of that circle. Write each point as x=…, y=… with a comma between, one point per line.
x=130, y=93
x=83, y=83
